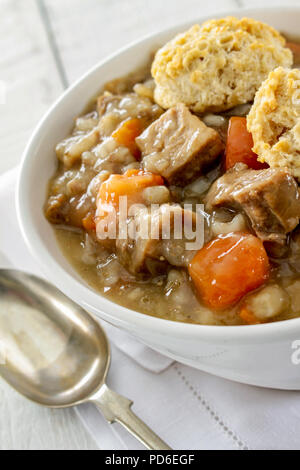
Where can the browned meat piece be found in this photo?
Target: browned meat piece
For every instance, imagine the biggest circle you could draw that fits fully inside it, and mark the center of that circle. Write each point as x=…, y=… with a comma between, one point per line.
x=293, y=256
x=53, y=209
x=115, y=109
x=142, y=254
x=129, y=105
x=60, y=210
x=107, y=103
x=270, y=198
x=178, y=146
x=71, y=196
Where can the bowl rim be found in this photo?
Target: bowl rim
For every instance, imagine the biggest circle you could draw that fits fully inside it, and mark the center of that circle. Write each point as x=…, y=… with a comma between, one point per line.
x=241, y=333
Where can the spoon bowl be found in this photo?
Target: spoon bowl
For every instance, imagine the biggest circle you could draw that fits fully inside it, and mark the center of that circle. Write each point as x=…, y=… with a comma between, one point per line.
x=56, y=354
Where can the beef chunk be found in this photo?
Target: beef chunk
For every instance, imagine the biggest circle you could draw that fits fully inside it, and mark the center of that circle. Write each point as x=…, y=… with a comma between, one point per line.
x=178, y=146
x=114, y=109
x=151, y=254
x=270, y=198
x=293, y=256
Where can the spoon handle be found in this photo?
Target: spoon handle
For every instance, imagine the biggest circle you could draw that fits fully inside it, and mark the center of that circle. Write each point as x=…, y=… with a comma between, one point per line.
x=117, y=409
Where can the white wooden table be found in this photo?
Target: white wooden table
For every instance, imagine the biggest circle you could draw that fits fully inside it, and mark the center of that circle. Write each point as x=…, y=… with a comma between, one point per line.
x=44, y=46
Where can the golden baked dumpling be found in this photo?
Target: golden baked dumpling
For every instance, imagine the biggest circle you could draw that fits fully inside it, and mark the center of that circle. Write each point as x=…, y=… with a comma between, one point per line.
x=218, y=65
x=274, y=120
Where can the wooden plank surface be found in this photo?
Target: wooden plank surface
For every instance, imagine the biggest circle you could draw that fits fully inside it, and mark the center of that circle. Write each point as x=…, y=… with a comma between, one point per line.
x=88, y=33
x=25, y=426
x=28, y=69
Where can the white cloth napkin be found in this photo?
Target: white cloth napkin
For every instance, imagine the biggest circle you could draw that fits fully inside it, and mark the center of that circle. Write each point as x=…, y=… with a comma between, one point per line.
x=189, y=409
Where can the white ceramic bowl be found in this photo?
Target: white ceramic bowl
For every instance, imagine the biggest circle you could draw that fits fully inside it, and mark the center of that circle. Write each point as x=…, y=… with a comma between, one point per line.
x=260, y=354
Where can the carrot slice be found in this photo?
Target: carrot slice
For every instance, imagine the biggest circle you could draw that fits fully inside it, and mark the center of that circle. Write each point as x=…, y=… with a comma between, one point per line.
x=295, y=48
x=89, y=223
x=239, y=145
x=127, y=133
x=131, y=184
x=229, y=267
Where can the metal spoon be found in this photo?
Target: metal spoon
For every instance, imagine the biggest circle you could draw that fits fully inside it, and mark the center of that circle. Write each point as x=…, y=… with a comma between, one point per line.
x=56, y=355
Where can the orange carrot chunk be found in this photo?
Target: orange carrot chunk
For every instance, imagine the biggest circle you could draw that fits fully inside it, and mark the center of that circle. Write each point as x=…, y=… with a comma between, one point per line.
x=229, y=267
x=239, y=145
x=127, y=133
x=131, y=184
x=89, y=223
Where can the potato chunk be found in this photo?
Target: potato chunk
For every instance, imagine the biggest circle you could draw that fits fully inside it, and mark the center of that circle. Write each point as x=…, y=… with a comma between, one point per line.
x=268, y=303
